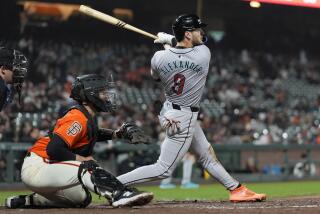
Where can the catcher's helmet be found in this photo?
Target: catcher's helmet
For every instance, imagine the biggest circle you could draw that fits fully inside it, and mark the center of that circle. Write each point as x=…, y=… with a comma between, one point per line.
x=94, y=89
x=186, y=22
x=15, y=61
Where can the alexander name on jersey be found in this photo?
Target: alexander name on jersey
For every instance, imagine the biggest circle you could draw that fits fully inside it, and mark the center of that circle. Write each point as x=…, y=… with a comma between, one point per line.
x=178, y=65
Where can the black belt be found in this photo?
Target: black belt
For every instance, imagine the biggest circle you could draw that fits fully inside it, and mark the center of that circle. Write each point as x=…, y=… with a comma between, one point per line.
x=177, y=107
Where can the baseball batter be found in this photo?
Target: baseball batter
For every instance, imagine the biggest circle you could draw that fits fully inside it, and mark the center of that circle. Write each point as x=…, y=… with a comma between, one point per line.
x=182, y=71
x=60, y=169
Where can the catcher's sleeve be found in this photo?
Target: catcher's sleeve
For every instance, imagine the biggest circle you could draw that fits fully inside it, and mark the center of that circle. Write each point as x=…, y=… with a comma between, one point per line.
x=58, y=150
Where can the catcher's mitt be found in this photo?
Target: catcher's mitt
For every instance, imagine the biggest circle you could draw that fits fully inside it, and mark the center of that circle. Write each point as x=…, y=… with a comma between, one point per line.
x=133, y=133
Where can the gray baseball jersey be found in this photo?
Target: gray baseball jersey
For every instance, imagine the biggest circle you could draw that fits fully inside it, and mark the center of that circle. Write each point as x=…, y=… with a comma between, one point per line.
x=183, y=73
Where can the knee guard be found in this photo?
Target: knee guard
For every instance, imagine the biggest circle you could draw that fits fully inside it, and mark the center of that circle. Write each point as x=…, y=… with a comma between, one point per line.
x=104, y=182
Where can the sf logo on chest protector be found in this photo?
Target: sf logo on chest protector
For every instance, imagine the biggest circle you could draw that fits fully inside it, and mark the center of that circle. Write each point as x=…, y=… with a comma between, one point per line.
x=74, y=129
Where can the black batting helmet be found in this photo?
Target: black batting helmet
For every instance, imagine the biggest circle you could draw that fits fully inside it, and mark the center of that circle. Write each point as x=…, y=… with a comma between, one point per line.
x=186, y=22
x=15, y=61
x=88, y=88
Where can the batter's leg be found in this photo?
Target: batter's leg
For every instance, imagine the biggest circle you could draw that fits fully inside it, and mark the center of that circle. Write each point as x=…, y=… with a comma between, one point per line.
x=207, y=156
x=171, y=154
x=204, y=151
x=172, y=151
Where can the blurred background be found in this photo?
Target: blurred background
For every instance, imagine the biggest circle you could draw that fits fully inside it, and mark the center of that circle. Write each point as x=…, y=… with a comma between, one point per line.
x=260, y=108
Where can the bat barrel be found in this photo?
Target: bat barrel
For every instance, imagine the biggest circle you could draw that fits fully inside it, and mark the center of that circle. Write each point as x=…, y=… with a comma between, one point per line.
x=111, y=20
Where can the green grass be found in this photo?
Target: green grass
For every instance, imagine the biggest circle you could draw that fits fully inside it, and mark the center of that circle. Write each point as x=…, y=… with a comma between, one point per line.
x=217, y=191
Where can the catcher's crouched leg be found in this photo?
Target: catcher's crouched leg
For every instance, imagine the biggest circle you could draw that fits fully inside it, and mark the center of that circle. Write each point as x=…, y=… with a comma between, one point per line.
x=103, y=183
x=76, y=196
x=98, y=180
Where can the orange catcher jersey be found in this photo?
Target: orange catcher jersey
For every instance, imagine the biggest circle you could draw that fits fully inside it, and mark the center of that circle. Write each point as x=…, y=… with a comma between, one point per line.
x=72, y=128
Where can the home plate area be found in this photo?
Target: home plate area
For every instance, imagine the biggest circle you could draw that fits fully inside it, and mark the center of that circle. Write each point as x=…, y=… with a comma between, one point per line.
x=310, y=205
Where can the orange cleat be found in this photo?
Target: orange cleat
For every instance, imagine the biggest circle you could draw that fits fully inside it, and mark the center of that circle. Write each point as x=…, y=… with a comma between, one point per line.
x=243, y=194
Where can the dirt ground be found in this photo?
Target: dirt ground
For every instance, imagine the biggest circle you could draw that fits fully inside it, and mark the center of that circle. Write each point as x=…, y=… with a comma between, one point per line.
x=306, y=205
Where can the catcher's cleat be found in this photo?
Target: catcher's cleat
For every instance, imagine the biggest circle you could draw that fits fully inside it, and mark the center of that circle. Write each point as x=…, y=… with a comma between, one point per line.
x=20, y=201
x=243, y=194
x=131, y=197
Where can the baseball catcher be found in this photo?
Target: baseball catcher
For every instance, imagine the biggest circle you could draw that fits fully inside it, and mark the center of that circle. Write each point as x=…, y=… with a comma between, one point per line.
x=60, y=169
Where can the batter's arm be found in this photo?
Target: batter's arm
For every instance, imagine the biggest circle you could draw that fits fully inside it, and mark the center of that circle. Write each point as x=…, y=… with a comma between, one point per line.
x=153, y=70
x=155, y=76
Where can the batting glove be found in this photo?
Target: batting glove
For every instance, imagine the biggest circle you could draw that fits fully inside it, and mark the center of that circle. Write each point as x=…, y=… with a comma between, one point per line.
x=164, y=38
x=172, y=126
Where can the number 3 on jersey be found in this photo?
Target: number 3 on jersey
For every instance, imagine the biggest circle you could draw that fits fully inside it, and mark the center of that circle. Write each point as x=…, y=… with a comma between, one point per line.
x=178, y=83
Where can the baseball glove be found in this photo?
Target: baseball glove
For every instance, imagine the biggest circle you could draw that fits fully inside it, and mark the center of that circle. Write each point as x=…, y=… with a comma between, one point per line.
x=133, y=133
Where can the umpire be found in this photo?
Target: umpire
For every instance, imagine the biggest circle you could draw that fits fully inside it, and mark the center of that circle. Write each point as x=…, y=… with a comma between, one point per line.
x=13, y=68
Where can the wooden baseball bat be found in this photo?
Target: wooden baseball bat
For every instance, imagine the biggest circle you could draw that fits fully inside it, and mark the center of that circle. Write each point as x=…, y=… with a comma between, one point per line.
x=114, y=21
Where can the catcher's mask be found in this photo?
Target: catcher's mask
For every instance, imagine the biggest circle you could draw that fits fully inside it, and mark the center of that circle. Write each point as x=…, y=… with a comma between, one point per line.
x=15, y=61
x=187, y=22
x=94, y=89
